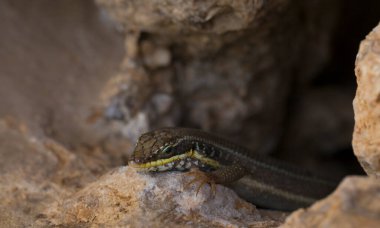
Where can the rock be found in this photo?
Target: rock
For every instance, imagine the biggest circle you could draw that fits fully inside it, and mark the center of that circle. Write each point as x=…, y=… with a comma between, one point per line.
x=21, y=194
x=34, y=174
x=227, y=62
x=44, y=184
x=67, y=52
x=218, y=65
x=184, y=16
x=366, y=137
x=124, y=197
x=155, y=57
x=355, y=203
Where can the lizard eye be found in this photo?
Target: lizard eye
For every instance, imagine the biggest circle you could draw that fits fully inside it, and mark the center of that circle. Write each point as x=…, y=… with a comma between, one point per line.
x=167, y=150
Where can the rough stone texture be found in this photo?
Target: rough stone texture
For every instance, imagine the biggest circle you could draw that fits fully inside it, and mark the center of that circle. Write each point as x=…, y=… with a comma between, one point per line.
x=179, y=16
x=34, y=173
x=125, y=198
x=366, y=137
x=355, y=203
x=234, y=52
x=60, y=59
x=64, y=191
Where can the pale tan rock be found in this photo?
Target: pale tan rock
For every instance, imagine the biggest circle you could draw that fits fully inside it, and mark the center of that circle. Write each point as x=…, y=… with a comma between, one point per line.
x=33, y=174
x=36, y=172
x=366, y=137
x=43, y=184
x=355, y=203
x=124, y=197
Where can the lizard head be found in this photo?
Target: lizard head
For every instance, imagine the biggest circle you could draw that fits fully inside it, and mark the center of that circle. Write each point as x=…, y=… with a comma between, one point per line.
x=165, y=149
x=156, y=150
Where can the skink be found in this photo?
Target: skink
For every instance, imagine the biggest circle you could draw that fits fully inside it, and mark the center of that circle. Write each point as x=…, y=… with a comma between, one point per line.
x=261, y=180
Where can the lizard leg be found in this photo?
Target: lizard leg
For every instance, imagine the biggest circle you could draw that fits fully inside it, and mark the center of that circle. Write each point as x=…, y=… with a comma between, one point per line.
x=223, y=175
x=202, y=178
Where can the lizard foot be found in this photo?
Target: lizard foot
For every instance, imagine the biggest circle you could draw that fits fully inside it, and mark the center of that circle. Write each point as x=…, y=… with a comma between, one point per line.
x=202, y=178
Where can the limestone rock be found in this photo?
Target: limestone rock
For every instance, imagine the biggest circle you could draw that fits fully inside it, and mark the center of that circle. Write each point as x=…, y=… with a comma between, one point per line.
x=34, y=174
x=355, y=203
x=124, y=197
x=366, y=137
x=46, y=185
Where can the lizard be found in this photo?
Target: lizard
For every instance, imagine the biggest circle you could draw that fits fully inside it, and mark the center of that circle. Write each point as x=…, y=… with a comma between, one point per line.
x=261, y=180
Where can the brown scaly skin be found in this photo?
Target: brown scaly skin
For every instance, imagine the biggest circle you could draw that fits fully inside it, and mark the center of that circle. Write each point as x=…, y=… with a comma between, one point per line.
x=267, y=183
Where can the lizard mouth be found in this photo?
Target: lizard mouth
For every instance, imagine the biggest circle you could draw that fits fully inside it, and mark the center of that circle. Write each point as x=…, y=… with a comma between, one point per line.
x=178, y=162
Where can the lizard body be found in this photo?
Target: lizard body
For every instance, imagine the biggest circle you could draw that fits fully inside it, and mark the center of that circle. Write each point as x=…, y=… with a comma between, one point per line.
x=261, y=180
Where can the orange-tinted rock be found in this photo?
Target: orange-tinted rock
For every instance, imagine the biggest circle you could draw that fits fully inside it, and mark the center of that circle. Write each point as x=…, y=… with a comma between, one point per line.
x=366, y=137
x=126, y=198
x=355, y=203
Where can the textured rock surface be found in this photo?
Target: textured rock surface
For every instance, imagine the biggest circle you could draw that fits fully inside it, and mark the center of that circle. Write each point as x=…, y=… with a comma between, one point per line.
x=226, y=66
x=208, y=63
x=355, y=203
x=366, y=138
x=64, y=191
x=34, y=174
x=126, y=198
